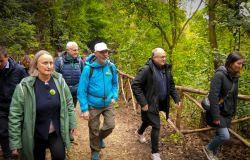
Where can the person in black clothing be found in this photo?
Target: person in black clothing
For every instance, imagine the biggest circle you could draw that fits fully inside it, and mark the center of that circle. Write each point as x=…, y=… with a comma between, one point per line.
x=11, y=74
x=152, y=88
x=223, y=87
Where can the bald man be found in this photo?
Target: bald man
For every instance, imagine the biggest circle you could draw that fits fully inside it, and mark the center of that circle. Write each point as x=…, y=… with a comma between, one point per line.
x=152, y=88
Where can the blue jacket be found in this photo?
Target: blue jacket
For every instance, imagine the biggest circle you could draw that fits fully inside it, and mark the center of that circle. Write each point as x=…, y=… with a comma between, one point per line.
x=71, y=69
x=9, y=78
x=99, y=89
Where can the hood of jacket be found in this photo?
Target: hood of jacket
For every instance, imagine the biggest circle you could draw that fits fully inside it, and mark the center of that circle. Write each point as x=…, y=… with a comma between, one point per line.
x=30, y=80
x=224, y=70
x=92, y=62
x=67, y=58
x=151, y=64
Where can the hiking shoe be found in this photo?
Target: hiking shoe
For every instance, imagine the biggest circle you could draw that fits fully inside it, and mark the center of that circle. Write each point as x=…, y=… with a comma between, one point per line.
x=95, y=156
x=102, y=144
x=155, y=156
x=141, y=138
x=210, y=155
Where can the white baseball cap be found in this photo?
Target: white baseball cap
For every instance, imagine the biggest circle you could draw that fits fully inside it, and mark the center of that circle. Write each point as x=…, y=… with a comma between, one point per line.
x=101, y=47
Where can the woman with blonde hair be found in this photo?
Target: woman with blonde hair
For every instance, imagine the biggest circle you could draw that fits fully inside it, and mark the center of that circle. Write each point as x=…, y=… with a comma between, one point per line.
x=42, y=112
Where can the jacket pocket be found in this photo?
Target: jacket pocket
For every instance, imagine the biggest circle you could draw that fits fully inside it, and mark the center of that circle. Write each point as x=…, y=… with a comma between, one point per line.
x=226, y=109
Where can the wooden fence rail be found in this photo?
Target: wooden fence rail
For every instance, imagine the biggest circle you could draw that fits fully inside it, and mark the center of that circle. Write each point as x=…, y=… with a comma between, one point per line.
x=127, y=94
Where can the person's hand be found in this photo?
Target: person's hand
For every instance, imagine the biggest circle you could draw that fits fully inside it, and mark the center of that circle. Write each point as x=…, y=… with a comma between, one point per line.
x=217, y=122
x=145, y=108
x=178, y=105
x=113, y=101
x=15, y=153
x=85, y=115
x=73, y=132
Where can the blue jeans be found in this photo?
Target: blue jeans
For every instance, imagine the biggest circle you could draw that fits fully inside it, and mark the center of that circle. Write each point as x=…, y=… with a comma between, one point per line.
x=222, y=135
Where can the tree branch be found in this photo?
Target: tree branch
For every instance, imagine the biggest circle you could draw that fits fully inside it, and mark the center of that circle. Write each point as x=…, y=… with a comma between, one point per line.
x=185, y=24
x=163, y=33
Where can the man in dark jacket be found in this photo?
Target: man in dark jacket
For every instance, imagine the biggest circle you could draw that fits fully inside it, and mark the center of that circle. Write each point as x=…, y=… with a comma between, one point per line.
x=152, y=88
x=11, y=74
x=70, y=64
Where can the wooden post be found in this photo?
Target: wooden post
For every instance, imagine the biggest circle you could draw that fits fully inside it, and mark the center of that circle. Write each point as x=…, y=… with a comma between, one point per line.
x=132, y=96
x=246, y=142
x=123, y=94
x=126, y=91
x=179, y=110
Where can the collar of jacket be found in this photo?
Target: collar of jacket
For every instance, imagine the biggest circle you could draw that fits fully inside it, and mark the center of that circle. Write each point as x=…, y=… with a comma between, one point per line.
x=226, y=72
x=31, y=79
x=150, y=64
x=67, y=58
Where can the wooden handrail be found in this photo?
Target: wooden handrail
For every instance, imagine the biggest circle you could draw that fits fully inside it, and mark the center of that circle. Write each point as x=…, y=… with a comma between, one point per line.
x=183, y=90
x=189, y=89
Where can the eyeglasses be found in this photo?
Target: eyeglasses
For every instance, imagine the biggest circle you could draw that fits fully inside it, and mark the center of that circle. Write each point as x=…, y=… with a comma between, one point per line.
x=103, y=52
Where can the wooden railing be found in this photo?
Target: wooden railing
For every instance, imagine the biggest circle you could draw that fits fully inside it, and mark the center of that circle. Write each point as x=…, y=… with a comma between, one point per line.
x=127, y=95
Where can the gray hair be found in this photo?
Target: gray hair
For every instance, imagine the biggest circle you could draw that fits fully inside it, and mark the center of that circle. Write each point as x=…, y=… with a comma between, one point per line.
x=71, y=44
x=157, y=50
x=33, y=67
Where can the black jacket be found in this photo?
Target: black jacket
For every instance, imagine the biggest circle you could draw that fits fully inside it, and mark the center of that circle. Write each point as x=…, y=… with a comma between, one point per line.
x=9, y=78
x=146, y=91
x=220, y=88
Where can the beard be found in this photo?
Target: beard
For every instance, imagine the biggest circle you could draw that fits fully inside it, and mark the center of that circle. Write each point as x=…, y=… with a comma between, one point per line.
x=101, y=61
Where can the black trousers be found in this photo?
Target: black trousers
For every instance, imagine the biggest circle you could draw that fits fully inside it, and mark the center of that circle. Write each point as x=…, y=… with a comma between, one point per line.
x=54, y=143
x=151, y=119
x=75, y=100
x=4, y=135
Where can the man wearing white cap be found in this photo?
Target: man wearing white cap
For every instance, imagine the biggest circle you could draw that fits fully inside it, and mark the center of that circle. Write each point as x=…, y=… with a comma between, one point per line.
x=97, y=91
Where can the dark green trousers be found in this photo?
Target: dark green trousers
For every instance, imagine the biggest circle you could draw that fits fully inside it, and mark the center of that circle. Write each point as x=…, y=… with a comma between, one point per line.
x=97, y=133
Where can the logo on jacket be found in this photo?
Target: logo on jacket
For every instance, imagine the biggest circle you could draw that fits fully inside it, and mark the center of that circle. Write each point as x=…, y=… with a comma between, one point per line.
x=108, y=73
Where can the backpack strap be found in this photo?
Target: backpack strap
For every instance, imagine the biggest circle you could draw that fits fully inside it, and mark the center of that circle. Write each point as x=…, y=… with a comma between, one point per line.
x=231, y=90
x=80, y=62
x=92, y=70
x=61, y=63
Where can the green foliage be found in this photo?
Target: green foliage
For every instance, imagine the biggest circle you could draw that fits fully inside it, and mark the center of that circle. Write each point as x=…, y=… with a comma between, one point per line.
x=175, y=137
x=16, y=30
x=132, y=29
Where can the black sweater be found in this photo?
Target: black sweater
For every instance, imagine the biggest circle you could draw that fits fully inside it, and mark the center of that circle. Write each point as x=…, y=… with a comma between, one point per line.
x=47, y=108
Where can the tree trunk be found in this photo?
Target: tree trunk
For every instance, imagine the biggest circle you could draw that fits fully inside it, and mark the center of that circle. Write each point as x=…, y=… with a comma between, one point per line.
x=212, y=32
x=173, y=20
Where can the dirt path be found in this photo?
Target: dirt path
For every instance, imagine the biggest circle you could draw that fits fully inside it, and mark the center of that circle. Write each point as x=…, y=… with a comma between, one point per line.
x=122, y=144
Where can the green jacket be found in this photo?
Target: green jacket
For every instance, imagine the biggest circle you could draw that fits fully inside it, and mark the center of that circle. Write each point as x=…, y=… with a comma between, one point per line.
x=22, y=115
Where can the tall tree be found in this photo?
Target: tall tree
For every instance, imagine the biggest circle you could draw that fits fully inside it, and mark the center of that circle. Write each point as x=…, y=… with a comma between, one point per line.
x=163, y=15
x=16, y=30
x=212, y=31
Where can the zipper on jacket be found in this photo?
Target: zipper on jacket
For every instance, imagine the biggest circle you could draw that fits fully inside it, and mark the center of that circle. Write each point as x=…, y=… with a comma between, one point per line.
x=103, y=76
